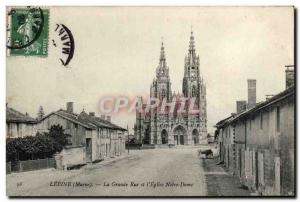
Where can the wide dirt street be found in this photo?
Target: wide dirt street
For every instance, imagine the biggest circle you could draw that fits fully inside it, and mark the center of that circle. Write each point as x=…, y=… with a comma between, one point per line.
x=160, y=172
x=154, y=172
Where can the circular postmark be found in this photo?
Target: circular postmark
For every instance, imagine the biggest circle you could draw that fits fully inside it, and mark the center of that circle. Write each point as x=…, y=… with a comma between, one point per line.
x=64, y=41
x=26, y=27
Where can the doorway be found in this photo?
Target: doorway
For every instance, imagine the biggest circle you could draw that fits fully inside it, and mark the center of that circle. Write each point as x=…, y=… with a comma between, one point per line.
x=195, y=136
x=181, y=139
x=88, y=150
x=164, y=137
x=180, y=135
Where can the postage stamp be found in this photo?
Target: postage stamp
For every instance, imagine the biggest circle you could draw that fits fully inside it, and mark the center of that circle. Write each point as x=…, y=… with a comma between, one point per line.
x=28, y=31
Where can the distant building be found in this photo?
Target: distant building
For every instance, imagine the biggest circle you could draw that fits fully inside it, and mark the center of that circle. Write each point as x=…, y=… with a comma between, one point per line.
x=19, y=124
x=210, y=138
x=258, y=144
x=176, y=128
x=91, y=138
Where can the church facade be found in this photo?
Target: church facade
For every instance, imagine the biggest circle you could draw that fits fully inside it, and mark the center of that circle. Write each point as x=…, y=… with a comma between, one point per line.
x=175, y=126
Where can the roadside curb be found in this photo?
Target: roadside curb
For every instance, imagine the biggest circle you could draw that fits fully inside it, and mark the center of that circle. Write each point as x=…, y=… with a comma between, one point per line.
x=106, y=162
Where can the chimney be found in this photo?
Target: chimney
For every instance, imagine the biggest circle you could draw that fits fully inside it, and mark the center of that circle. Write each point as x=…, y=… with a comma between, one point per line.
x=289, y=76
x=70, y=107
x=108, y=118
x=103, y=117
x=251, y=93
x=92, y=113
x=241, y=106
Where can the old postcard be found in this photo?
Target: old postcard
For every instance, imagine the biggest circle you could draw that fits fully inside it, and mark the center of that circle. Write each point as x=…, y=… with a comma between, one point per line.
x=150, y=101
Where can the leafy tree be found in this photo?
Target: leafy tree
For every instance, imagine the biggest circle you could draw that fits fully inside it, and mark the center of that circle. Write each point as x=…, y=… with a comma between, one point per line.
x=43, y=145
x=57, y=133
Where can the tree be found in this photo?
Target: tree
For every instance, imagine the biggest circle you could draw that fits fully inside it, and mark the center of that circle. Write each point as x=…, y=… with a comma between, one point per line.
x=57, y=133
x=40, y=113
x=43, y=145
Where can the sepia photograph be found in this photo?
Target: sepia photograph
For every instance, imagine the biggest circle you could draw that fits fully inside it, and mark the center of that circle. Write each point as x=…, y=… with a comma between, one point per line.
x=150, y=101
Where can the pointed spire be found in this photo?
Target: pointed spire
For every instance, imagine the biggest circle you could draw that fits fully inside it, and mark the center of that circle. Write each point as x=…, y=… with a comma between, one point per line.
x=162, y=70
x=192, y=42
x=162, y=52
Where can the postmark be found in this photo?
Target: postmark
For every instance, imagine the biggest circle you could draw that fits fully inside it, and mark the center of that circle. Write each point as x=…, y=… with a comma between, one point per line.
x=65, y=43
x=28, y=31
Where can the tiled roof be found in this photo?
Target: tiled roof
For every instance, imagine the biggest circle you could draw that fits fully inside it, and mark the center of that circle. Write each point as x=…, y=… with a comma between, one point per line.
x=85, y=120
x=98, y=121
x=286, y=93
x=224, y=121
x=14, y=116
x=109, y=124
x=74, y=118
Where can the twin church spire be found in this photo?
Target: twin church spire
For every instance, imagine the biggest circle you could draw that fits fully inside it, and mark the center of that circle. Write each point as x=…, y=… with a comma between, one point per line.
x=161, y=86
x=191, y=60
x=192, y=50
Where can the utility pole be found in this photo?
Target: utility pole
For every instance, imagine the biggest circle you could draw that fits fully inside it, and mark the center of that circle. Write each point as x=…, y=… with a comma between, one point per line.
x=127, y=139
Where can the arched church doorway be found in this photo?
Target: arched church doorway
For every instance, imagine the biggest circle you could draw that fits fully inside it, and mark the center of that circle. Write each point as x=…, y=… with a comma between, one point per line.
x=164, y=137
x=195, y=134
x=180, y=136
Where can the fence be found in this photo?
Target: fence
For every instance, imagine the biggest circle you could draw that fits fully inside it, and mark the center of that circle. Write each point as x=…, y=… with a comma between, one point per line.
x=21, y=166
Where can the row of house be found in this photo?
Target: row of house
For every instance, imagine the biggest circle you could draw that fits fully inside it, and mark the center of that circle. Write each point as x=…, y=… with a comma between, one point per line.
x=91, y=138
x=257, y=143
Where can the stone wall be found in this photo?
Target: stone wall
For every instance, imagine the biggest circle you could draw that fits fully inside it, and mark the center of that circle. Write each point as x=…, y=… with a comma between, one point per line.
x=73, y=156
x=269, y=154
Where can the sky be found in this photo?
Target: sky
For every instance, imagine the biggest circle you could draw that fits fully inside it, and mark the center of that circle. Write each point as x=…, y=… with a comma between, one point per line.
x=117, y=51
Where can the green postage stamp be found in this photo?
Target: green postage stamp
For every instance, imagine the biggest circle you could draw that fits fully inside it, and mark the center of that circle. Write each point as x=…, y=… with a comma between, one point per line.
x=28, y=31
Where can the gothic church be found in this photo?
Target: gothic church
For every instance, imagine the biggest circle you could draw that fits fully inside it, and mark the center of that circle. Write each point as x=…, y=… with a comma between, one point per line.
x=159, y=128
